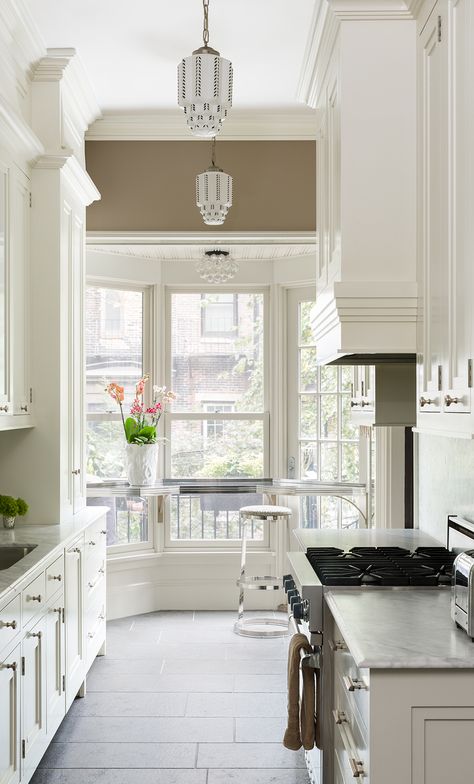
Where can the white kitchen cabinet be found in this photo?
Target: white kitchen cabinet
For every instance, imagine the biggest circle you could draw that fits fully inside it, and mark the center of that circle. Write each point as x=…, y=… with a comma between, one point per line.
x=10, y=664
x=55, y=665
x=33, y=697
x=14, y=301
x=446, y=239
x=74, y=619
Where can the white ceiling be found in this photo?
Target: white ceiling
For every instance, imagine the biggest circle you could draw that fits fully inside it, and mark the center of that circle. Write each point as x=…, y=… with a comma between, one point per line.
x=130, y=49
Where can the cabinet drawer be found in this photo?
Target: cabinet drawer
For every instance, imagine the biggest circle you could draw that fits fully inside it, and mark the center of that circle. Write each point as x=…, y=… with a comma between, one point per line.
x=95, y=580
x=33, y=598
x=94, y=551
x=354, y=683
x=55, y=576
x=351, y=742
x=10, y=621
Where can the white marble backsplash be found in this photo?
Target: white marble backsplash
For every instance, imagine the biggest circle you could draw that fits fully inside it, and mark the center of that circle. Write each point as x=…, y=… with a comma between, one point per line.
x=445, y=482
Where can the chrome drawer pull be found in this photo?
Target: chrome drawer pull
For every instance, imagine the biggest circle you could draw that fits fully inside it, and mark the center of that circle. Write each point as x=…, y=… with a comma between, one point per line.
x=352, y=684
x=357, y=766
x=450, y=400
x=104, y=533
x=337, y=645
x=75, y=550
x=23, y=408
x=56, y=577
x=11, y=666
x=36, y=634
x=4, y=408
x=76, y=471
x=8, y=625
x=92, y=543
x=426, y=401
x=34, y=598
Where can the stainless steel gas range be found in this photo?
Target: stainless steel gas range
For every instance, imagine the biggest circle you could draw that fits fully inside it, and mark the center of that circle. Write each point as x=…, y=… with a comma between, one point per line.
x=392, y=559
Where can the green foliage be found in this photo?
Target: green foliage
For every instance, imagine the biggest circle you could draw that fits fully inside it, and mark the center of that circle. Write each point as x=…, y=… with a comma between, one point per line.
x=11, y=507
x=134, y=435
x=131, y=428
x=22, y=506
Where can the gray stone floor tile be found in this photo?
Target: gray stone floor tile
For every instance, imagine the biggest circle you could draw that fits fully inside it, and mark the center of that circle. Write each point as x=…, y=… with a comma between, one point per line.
x=88, y=729
x=260, y=683
x=237, y=705
x=126, y=704
x=118, y=776
x=133, y=651
x=252, y=730
x=120, y=755
x=248, y=755
x=255, y=666
x=106, y=665
x=272, y=776
x=138, y=682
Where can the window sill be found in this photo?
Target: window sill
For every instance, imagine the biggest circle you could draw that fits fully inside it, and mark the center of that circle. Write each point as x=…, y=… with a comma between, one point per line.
x=176, y=556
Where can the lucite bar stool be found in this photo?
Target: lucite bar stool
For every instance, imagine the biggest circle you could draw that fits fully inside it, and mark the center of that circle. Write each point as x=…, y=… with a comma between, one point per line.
x=256, y=627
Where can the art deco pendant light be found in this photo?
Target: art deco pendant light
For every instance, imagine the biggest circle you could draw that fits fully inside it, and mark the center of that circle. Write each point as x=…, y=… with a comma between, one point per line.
x=205, y=86
x=217, y=266
x=214, y=193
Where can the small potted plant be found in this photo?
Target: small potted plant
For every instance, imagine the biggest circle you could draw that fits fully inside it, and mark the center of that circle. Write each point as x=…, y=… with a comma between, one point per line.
x=140, y=429
x=10, y=508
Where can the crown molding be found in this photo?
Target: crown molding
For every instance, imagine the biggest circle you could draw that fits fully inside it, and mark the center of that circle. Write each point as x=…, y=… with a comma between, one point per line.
x=297, y=124
x=75, y=175
x=327, y=16
x=21, y=43
x=17, y=135
x=143, y=238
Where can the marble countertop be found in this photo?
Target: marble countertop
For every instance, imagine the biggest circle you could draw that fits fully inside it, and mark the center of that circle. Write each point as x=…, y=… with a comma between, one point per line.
x=365, y=537
x=47, y=538
x=399, y=628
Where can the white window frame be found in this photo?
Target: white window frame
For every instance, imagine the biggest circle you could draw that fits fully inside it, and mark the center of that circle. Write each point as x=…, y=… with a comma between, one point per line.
x=109, y=416
x=218, y=544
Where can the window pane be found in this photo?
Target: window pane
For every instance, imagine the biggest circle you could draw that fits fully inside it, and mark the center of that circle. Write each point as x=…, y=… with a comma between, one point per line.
x=350, y=515
x=350, y=463
x=3, y=335
x=329, y=511
x=309, y=511
x=308, y=416
x=329, y=468
x=306, y=336
x=328, y=416
x=212, y=516
x=309, y=461
x=105, y=450
x=346, y=379
x=328, y=379
x=127, y=519
x=217, y=351
x=235, y=449
x=114, y=343
x=308, y=370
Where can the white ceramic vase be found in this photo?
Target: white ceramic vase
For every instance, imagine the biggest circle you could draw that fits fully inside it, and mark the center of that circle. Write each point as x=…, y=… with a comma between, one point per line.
x=142, y=464
x=8, y=522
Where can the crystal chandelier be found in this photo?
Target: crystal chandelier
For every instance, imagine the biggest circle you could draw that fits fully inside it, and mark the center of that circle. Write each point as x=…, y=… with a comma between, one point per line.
x=217, y=266
x=205, y=86
x=214, y=192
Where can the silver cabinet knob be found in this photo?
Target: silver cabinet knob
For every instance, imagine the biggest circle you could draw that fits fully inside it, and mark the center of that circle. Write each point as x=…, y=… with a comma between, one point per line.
x=76, y=471
x=104, y=533
x=4, y=408
x=36, y=634
x=354, y=403
x=11, y=666
x=58, y=577
x=426, y=401
x=8, y=625
x=24, y=408
x=450, y=400
x=92, y=543
x=35, y=598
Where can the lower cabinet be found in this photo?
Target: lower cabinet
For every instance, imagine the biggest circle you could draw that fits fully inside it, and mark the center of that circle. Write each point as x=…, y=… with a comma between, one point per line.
x=388, y=726
x=47, y=649
x=10, y=668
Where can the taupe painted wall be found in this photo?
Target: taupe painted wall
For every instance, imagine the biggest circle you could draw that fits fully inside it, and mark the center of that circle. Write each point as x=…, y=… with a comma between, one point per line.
x=150, y=186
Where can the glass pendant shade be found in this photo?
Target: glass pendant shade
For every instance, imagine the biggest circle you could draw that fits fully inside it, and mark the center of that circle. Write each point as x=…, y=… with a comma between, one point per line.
x=217, y=266
x=214, y=195
x=205, y=91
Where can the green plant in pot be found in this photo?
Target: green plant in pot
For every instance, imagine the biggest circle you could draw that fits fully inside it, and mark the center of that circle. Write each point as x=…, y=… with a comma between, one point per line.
x=11, y=508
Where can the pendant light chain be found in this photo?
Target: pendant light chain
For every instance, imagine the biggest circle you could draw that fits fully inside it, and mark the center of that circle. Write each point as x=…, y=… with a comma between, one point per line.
x=205, y=32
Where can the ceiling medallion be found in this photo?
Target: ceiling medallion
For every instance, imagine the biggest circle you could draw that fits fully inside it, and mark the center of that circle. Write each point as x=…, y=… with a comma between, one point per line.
x=217, y=266
x=214, y=192
x=205, y=86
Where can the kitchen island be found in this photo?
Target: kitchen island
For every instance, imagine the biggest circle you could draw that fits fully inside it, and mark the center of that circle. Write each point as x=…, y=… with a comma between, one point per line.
x=398, y=702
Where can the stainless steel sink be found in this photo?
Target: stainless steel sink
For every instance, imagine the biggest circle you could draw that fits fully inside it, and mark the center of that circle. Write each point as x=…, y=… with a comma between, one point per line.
x=12, y=553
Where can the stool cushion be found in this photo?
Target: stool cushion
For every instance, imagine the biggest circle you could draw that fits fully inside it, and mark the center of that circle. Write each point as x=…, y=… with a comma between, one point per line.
x=264, y=511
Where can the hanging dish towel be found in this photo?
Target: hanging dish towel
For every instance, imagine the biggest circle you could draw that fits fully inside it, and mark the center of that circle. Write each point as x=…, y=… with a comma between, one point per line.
x=302, y=729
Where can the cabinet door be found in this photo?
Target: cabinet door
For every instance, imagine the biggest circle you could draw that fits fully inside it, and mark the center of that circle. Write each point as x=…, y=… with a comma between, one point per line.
x=4, y=291
x=10, y=718
x=433, y=71
x=457, y=398
x=55, y=666
x=19, y=288
x=73, y=608
x=321, y=206
x=77, y=281
x=33, y=699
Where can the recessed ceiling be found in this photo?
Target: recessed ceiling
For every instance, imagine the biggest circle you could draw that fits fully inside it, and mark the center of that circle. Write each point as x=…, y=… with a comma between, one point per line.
x=192, y=252
x=130, y=50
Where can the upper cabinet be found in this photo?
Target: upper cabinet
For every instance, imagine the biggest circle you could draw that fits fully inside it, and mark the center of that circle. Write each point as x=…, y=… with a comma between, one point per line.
x=15, y=393
x=446, y=239
x=360, y=75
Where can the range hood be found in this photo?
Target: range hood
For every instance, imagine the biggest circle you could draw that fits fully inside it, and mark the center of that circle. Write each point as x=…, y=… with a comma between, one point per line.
x=374, y=359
